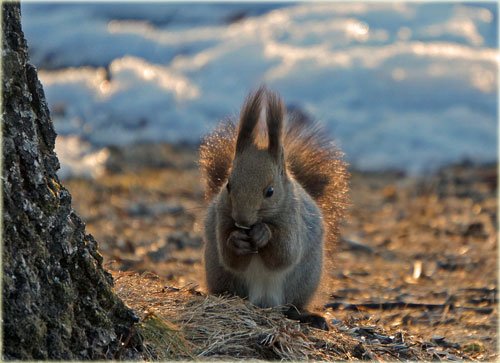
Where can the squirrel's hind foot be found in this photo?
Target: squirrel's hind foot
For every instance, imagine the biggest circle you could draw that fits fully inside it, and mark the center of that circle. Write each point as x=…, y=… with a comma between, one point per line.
x=306, y=317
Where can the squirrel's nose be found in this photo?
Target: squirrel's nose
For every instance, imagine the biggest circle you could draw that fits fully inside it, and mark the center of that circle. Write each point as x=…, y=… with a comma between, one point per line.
x=242, y=221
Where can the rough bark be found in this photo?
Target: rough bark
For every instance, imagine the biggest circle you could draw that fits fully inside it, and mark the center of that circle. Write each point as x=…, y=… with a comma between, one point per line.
x=58, y=301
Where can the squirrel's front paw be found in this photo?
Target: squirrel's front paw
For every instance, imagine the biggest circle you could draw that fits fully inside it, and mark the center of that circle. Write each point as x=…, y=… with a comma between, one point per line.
x=241, y=243
x=260, y=235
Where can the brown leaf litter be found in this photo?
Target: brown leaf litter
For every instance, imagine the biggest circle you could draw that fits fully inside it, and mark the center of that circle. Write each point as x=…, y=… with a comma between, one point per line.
x=183, y=323
x=415, y=275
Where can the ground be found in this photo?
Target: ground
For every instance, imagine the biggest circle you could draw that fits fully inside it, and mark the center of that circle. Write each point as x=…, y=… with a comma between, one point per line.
x=417, y=258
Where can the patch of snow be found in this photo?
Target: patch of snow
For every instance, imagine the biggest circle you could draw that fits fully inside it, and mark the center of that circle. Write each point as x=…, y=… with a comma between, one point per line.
x=80, y=158
x=400, y=85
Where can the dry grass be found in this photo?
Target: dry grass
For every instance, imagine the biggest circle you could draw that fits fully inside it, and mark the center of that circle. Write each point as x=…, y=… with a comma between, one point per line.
x=187, y=324
x=163, y=340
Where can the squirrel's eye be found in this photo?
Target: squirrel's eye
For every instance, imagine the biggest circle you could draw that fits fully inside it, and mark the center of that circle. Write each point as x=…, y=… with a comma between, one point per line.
x=228, y=187
x=269, y=192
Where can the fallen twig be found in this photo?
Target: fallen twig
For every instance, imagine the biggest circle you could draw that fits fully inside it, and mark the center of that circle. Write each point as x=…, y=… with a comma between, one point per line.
x=404, y=305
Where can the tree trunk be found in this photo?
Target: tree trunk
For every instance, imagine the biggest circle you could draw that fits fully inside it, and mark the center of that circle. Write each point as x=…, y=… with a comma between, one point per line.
x=58, y=301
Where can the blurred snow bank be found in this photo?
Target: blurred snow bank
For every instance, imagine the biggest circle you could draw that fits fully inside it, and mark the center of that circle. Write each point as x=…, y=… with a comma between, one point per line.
x=409, y=86
x=79, y=159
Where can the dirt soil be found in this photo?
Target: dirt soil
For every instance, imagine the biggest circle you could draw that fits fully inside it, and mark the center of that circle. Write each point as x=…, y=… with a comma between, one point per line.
x=418, y=255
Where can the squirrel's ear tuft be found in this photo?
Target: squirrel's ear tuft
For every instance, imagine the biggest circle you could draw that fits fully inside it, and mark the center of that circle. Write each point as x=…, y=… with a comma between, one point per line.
x=249, y=117
x=274, y=117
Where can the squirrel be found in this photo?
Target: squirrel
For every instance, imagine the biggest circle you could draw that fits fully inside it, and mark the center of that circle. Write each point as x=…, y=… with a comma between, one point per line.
x=273, y=202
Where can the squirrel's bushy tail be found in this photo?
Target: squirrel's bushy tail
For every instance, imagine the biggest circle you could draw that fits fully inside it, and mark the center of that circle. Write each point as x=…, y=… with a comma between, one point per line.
x=217, y=151
x=311, y=158
x=317, y=164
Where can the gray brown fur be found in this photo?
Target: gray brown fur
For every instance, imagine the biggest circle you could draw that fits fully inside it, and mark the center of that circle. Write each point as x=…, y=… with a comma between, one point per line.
x=278, y=259
x=249, y=118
